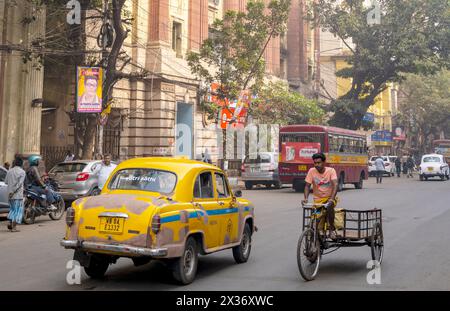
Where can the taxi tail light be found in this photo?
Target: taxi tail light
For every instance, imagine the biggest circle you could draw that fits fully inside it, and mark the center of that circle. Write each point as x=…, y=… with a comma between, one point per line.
x=156, y=224
x=70, y=216
x=82, y=176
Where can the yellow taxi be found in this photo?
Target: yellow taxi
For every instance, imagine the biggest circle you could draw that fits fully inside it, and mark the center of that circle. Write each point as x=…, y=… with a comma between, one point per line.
x=160, y=208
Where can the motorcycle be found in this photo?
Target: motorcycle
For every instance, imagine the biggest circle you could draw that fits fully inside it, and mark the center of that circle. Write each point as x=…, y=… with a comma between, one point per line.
x=36, y=205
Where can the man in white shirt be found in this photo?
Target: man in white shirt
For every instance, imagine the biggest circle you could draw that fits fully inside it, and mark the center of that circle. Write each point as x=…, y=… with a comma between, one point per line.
x=105, y=170
x=380, y=169
x=69, y=156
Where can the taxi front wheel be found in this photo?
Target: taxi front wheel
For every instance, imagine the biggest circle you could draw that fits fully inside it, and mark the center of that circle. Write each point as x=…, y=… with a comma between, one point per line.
x=184, y=268
x=241, y=253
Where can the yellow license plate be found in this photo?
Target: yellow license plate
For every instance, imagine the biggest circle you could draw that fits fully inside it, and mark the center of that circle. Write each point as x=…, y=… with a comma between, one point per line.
x=430, y=169
x=302, y=167
x=112, y=225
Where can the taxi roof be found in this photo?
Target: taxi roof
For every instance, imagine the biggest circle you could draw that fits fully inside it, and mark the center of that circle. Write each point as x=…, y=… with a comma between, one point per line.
x=177, y=165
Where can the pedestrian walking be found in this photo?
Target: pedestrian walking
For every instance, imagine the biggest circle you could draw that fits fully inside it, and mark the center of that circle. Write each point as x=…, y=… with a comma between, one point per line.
x=410, y=165
x=7, y=166
x=206, y=157
x=398, y=166
x=105, y=170
x=15, y=179
x=380, y=169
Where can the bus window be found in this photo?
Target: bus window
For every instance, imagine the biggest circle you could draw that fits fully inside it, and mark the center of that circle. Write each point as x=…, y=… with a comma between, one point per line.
x=333, y=143
x=303, y=138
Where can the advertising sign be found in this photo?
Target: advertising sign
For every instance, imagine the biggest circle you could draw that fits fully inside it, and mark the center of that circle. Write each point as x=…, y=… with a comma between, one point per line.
x=369, y=117
x=299, y=152
x=89, y=89
x=399, y=133
x=383, y=136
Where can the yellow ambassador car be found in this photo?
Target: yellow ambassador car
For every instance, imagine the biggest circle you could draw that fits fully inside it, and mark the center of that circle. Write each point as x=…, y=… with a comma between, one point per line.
x=160, y=208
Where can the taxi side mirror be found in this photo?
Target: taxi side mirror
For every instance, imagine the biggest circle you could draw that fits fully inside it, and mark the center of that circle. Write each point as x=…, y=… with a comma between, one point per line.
x=238, y=193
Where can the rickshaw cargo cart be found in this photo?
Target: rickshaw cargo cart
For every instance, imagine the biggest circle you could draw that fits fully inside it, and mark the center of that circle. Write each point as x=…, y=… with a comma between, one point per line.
x=359, y=228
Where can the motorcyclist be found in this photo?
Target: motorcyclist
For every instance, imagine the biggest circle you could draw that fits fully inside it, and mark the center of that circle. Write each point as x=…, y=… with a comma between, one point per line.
x=36, y=184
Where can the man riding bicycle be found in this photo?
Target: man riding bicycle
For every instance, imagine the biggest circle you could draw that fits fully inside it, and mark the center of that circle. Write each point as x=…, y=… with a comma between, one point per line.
x=325, y=185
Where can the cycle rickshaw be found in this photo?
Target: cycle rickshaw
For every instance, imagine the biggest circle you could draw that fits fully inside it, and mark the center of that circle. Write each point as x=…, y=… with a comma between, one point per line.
x=359, y=228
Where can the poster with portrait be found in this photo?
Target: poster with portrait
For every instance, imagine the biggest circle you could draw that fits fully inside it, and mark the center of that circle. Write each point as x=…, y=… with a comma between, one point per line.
x=89, y=89
x=299, y=152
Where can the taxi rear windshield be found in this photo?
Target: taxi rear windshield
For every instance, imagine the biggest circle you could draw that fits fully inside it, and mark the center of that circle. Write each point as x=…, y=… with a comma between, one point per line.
x=257, y=159
x=144, y=180
x=68, y=168
x=432, y=160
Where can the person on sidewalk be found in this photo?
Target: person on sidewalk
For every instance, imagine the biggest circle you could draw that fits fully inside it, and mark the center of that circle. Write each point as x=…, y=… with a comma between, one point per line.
x=15, y=179
x=398, y=166
x=380, y=169
x=105, y=170
x=69, y=156
x=410, y=164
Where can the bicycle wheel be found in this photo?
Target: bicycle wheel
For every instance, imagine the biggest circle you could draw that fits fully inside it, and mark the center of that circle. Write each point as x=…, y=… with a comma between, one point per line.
x=308, y=255
x=377, y=243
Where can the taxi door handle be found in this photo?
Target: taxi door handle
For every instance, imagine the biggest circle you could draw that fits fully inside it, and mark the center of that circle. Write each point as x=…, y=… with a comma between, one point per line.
x=221, y=203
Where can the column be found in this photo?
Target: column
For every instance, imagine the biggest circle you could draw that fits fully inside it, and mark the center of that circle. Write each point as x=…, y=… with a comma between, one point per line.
x=33, y=82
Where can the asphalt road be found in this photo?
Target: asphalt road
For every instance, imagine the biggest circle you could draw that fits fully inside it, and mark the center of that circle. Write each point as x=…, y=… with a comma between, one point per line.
x=416, y=228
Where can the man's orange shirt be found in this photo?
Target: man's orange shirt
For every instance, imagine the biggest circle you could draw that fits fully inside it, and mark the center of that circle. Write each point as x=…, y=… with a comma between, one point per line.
x=321, y=182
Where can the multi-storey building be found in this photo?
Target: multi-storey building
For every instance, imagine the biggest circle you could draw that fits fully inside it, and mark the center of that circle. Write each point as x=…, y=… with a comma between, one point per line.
x=160, y=115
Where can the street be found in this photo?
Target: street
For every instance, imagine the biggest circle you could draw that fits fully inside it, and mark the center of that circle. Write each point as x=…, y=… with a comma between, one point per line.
x=416, y=218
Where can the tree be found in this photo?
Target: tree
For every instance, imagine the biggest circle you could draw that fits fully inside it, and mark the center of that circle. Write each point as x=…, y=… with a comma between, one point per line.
x=276, y=104
x=413, y=37
x=426, y=109
x=233, y=55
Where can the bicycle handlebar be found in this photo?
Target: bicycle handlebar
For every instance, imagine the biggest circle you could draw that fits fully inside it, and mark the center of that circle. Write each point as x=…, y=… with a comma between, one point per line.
x=312, y=205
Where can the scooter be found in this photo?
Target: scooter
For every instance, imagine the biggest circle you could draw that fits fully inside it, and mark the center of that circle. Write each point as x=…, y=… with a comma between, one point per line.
x=36, y=205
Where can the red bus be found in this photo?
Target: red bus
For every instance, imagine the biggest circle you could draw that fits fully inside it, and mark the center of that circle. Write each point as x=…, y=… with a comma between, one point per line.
x=442, y=146
x=346, y=152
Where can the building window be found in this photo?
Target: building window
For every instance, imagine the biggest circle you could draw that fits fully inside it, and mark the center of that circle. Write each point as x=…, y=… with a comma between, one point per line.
x=214, y=2
x=176, y=38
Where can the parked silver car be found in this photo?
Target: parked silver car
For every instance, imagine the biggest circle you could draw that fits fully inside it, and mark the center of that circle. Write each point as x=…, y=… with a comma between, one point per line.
x=4, y=202
x=261, y=169
x=77, y=178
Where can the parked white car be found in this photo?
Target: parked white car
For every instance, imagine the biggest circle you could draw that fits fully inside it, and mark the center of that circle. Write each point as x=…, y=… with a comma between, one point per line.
x=434, y=165
x=389, y=165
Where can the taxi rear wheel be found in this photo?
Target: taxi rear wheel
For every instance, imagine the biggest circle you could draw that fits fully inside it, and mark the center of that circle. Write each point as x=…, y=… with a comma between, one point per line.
x=241, y=253
x=97, y=267
x=184, y=268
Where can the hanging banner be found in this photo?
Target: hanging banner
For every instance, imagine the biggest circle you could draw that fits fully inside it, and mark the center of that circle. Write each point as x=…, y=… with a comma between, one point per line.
x=299, y=152
x=235, y=115
x=89, y=89
x=103, y=118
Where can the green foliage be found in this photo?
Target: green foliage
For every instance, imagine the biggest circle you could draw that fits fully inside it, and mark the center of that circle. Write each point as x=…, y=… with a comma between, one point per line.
x=413, y=37
x=277, y=105
x=232, y=56
x=427, y=106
